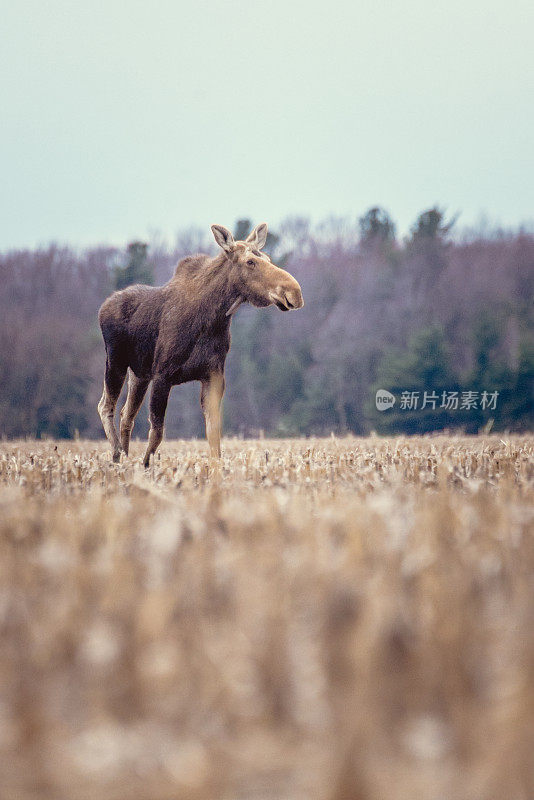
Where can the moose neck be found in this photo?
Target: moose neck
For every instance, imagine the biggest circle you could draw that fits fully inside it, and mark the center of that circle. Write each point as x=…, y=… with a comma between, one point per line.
x=219, y=299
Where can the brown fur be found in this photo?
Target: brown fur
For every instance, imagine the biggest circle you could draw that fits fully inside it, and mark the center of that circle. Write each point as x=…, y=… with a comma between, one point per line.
x=180, y=332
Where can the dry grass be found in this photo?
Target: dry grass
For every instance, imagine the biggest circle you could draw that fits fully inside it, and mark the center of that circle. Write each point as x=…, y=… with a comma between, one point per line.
x=347, y=619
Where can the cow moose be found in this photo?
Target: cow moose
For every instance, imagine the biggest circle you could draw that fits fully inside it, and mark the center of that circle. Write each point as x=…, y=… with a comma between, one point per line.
x=180, y=332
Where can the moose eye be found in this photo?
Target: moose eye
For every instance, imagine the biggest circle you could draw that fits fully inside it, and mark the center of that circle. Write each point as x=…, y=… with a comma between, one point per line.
x=251, y=263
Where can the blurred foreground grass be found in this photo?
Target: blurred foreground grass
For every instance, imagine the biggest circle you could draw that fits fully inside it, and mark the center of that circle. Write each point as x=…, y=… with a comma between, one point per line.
x=341, y=619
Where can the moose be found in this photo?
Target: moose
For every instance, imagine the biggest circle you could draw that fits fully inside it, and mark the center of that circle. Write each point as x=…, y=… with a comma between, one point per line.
x=180, y=332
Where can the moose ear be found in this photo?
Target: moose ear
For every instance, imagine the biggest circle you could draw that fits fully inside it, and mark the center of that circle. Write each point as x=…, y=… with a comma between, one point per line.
x=258, y=237
x=223, y=237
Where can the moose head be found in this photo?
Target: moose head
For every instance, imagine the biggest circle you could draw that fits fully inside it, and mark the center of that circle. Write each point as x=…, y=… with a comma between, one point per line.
x=252, y=273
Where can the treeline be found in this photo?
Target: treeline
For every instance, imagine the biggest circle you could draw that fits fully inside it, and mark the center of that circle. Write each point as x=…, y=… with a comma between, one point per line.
x=442, y=322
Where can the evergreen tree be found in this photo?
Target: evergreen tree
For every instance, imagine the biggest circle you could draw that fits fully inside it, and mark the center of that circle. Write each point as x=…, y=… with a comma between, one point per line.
x=423, y=369
x=242, y=229
x=431, y=225
x=514, y=406
x=376, y=226
x=137, y=268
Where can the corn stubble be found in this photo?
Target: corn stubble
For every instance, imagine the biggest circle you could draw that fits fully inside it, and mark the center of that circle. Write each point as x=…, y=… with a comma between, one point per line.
x=341, y=619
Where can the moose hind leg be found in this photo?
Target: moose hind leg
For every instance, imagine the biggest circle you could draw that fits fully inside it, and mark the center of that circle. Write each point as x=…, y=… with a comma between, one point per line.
x=158, y=405
x=113, y=383
x=136, y=392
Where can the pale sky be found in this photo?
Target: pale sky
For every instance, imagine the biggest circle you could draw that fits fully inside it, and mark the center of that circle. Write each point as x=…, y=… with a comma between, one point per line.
x=118, y=118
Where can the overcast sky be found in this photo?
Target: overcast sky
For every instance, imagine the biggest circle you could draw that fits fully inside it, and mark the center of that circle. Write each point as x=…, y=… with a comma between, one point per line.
x=118, y=118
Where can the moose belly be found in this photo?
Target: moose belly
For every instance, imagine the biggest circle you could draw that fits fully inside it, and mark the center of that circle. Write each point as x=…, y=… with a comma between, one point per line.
x=207, y=355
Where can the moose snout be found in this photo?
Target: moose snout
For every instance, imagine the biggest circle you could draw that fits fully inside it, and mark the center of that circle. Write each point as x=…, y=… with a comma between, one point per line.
x=287, y=297
x=293, y=298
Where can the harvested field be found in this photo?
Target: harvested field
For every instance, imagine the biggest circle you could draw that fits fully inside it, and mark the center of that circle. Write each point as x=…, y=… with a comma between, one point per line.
x=340, y=619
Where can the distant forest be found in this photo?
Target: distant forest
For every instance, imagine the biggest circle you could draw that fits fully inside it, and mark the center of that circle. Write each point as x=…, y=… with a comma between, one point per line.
x=441, y=320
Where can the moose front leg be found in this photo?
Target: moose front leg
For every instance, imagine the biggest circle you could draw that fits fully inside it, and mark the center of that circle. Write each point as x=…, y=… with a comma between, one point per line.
x=210, y=400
